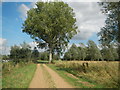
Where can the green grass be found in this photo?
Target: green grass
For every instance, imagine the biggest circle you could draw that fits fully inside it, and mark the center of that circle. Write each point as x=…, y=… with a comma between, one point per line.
x=73, y=81
x=100, y=73
x=48, y=78
x=19, y=77
x=42, y=61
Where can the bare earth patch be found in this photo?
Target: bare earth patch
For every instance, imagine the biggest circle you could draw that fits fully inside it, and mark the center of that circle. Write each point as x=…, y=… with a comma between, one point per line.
x=59, y=81
x=71, y=75
x=40, y=79
x=86, y=84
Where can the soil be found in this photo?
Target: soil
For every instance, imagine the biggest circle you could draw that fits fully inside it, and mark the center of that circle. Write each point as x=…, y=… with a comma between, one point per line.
x=39, y=80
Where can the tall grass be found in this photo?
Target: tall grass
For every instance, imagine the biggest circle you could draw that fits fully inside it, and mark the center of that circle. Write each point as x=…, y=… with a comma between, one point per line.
x=9, y=66
x=19, y=76
x=100, y=72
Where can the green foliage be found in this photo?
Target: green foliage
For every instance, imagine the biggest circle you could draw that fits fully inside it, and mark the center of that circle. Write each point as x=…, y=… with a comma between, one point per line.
x=82, y=51
x=18, y=53
x=56, y=57
x=51, y=24
x=43, y=55
x=73, y=80
x=5, y=57
x=110, y=53
x=35, y=54
x=18, y=77
x=100, y=72
x=111, y=31
x=72, y=53
x=93, y=51
x=7, y=67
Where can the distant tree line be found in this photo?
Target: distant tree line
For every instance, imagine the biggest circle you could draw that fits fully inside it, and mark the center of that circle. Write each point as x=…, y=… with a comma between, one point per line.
x=24, y=53
x=92, y=52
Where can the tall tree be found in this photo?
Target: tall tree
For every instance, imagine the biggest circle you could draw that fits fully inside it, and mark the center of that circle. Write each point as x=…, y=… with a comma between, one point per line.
x=35, y=53
x=44, y=55
x=15, y=53
x=110, y=53
x=21, y=52
x=82, y=51
x=25, y=51
x=94, y=52
x=111, y=31
x=51, y=24
x=67, y=56
x=72, y=53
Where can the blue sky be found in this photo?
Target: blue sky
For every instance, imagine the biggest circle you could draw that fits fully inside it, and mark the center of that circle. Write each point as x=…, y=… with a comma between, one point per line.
x=12, y=24
x=89, y=22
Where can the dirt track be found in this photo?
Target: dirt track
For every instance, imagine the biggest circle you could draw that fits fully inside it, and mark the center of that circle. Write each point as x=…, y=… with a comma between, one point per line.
x=38, y=79
x=47, y=78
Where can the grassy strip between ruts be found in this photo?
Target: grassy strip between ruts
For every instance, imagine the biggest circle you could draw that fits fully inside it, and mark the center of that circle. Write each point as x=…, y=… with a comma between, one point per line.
x=77, y=82
x=19, y=77
x=48, y=78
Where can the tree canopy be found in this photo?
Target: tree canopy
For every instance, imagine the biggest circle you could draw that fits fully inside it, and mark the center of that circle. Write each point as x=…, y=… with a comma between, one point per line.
x=93, y=50
x=22, y=52
x=111, y=31
x=51, y=24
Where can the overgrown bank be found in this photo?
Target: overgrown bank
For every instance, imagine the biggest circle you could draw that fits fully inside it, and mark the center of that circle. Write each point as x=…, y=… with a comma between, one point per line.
x=19, y=76
x=99, y=73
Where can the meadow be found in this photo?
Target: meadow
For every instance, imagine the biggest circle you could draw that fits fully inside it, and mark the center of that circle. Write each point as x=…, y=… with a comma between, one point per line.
x=19, y=76
x=102, y=73
x=95, y=74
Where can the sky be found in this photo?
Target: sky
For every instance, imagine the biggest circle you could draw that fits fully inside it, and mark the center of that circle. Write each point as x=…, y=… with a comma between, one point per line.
x=88, y=15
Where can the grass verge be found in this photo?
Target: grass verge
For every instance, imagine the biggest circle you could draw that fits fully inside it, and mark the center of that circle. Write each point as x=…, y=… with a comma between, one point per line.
x=101, y=73
x=74, y=81
x=19, y=77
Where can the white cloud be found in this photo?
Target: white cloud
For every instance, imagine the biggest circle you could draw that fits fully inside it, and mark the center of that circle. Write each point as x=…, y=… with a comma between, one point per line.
x=23, y=11
x=34, y=44
x=33, y=5
x=4, y=49
x=24, y=8
x=89, y=19
x=2, y=41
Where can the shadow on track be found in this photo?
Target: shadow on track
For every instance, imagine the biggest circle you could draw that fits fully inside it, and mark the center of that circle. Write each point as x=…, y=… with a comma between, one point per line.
x=41, y=62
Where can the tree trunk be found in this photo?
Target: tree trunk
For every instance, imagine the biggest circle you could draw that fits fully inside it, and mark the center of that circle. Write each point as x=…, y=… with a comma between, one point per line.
x=119, y=36
x=83, y=59
x=50, y=56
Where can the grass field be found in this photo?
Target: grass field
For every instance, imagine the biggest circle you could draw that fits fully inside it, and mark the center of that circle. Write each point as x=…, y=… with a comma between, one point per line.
x=73, y=80
x=98, y=73
x=19, y=77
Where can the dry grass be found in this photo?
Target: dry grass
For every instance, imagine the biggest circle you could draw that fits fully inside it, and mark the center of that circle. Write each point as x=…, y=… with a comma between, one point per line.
x=101, y=72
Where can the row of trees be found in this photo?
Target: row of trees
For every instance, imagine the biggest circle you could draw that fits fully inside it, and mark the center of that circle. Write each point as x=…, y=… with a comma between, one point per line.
x=82, y=52
x=111, y=31
x=24, y=53
x=91, y=52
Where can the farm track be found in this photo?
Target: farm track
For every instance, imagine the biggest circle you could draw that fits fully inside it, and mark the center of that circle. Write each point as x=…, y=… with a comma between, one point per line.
x=38, y=79
x=45, y=77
